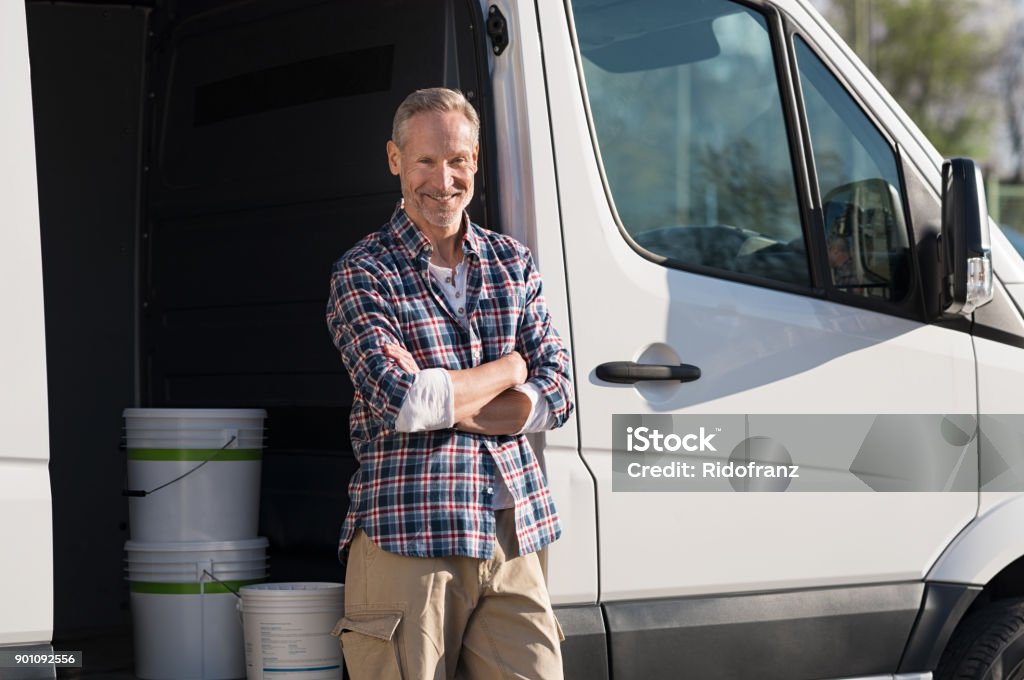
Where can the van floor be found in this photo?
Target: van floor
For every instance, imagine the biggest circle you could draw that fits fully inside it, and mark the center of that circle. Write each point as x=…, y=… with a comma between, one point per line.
x=106, y=653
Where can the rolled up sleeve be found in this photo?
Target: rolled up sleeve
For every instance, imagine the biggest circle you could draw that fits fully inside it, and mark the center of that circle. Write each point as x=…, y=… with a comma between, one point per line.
x=361, y=320
x=546, y=355
x=429, y=404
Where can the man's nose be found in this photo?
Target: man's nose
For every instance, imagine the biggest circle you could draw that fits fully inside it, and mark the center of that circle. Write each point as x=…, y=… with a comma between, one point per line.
x=444, y=176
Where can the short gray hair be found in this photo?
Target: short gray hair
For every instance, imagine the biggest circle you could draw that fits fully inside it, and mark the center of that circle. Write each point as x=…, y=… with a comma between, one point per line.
x=437, y=99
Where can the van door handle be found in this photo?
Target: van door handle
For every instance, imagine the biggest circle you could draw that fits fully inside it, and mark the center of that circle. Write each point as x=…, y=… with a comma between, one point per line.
x=629, y=372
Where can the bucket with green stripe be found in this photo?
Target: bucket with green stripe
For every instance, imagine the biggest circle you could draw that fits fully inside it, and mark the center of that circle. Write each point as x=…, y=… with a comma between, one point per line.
x=183, y=599
x=193, y=474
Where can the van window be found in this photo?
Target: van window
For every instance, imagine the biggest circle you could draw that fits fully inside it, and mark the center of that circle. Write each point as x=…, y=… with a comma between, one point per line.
x=861, y=192
x=688, y=118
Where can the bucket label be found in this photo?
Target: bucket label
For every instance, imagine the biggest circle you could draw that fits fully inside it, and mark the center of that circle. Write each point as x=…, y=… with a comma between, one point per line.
x=294, y=642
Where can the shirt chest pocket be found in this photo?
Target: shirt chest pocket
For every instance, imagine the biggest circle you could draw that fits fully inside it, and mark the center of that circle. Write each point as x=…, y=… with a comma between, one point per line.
x=428, y=333
x=497, y=321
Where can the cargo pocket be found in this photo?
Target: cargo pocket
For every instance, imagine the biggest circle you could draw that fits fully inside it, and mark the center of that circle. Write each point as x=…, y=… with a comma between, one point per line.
x=369, y=644
x=558, y=627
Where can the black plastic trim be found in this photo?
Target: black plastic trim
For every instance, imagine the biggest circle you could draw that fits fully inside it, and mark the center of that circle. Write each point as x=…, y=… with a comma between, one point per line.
x=793, y=635
x=815, y=232
x=630, y=372
x=925, y=208
x=943, y=607
x=585, y=650
x=497, y=29
x=909, y=306
x=483, y=98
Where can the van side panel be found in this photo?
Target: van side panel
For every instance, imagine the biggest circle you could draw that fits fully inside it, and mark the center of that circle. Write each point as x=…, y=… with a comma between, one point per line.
x=26, y=573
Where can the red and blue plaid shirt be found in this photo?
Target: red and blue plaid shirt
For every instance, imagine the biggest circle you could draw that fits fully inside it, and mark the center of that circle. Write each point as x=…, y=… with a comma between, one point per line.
x=430, y=494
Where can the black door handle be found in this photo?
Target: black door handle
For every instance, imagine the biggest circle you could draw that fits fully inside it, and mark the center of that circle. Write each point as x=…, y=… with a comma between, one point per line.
x=629, y=372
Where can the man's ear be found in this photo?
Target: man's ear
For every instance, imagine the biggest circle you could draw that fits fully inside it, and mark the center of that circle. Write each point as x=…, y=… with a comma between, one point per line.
x=476, y=152
x=394, y=158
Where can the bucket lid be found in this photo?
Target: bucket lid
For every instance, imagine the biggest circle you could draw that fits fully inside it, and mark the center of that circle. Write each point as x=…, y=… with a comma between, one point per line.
x=309, y=585
x=294, y=591
x=174, y=567
x=193, y=429
x=196, y=546
x=195, y=413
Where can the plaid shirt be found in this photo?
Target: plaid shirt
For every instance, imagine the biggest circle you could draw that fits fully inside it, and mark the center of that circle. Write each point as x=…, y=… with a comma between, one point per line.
x=430, y=494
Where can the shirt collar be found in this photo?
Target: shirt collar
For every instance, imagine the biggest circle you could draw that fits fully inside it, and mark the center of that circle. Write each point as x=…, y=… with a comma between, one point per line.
x=413, y=242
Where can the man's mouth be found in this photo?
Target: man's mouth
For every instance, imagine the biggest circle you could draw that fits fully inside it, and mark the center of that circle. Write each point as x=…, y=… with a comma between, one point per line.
x=443, y=198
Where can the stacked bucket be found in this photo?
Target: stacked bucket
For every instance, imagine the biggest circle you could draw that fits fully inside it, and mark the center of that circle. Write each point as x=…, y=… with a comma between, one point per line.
x=193, y=487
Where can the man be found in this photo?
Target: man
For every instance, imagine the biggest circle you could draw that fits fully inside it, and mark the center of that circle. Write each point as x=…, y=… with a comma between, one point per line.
x=844, y=274
x=446, y=336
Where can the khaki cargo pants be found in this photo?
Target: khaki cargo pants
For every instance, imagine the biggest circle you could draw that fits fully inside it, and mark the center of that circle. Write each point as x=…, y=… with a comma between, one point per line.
x=418, y=618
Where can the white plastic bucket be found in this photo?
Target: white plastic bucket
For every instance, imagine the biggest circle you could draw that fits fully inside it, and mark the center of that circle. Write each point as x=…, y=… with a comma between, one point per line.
x=200, y=469
x=185, y=622
x=221, y=437
x=190, y=418
x=288, y=630
x=187, y=562
x=180, y=636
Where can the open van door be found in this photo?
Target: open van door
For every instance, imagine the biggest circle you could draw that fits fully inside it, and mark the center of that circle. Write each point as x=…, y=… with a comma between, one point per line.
x=26, y=571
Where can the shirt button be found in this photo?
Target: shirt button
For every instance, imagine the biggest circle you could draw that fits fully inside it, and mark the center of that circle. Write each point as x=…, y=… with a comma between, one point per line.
x=490, y=489
x=461, y=311
x=447, y=279
x=458, y=294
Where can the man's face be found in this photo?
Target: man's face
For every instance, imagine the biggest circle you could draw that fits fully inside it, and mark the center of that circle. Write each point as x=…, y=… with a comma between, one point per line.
x=837, y=254
x=436, y=165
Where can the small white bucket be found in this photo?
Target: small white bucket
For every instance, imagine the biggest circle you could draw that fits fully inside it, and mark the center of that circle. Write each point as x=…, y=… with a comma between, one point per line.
x=200, y=471
x=288, y=630
x=185, y=621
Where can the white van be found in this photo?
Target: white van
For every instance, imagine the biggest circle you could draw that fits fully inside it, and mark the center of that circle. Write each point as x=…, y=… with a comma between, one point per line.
x=736, y=224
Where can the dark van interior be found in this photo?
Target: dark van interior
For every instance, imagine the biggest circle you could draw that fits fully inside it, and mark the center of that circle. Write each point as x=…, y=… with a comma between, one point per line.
x=201, y=165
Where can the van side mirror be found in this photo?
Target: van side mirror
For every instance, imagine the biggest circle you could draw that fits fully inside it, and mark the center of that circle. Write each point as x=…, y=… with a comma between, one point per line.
x=964, y=242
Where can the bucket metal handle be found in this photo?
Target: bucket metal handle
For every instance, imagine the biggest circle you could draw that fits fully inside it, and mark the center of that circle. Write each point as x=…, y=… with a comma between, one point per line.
x=226, y=586
x=139, y=493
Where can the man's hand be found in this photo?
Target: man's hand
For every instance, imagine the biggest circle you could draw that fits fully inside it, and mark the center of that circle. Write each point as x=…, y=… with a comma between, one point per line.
x=518, y=370
x=503, y=413
x=403, y=358
x=475, y=387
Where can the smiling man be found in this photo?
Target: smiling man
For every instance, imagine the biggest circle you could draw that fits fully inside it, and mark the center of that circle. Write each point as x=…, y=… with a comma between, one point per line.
x=444, y=331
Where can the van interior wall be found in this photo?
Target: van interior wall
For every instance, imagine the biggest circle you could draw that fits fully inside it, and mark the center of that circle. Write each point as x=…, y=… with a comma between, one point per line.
x=199, y=173
x=87, y=82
